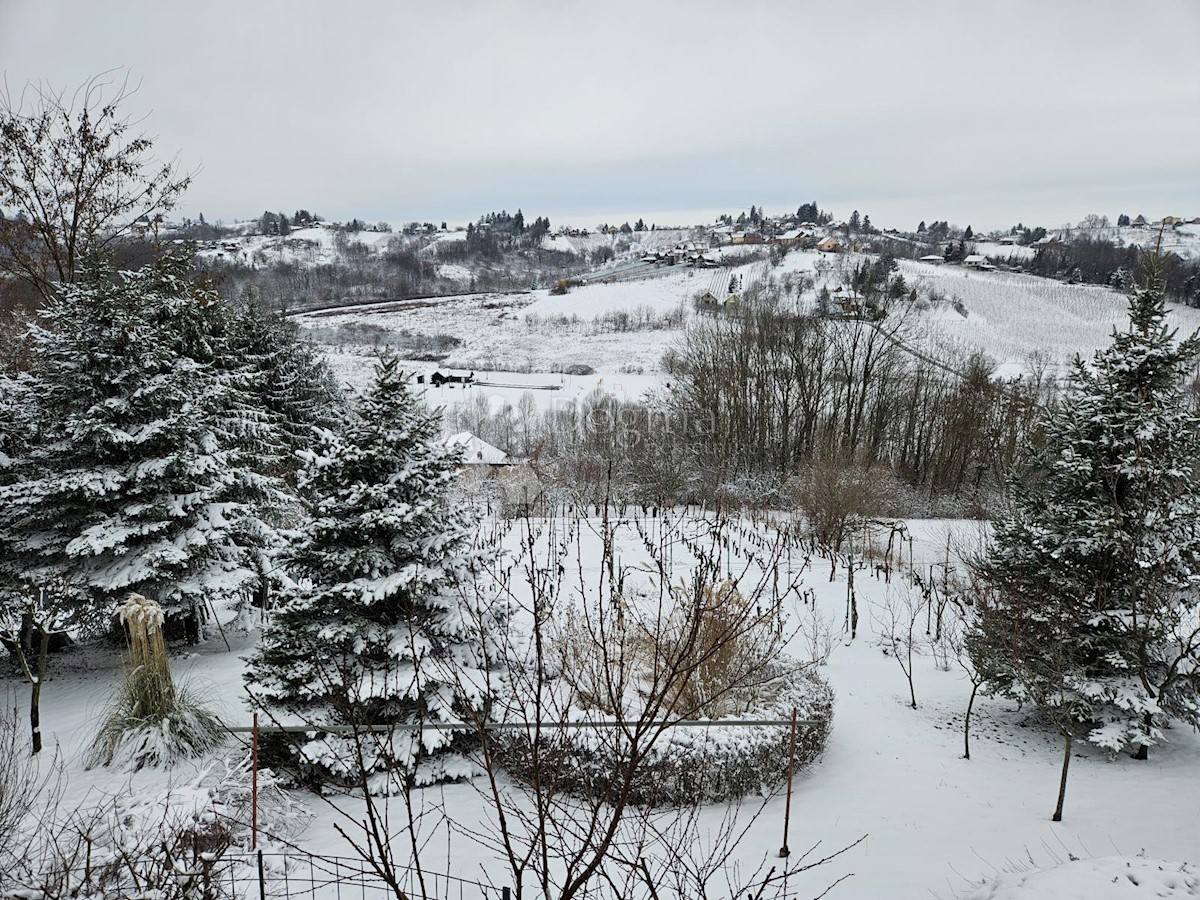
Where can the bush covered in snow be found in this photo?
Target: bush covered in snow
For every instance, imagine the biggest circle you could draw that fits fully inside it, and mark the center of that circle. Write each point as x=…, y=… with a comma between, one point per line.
x=687, y=764
x=152, y=721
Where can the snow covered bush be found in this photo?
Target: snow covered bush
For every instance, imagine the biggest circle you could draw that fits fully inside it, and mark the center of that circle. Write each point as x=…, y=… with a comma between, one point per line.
x=700, y=652
x=687, y=765
x=189, y=841
x=376, y=630
x=152, y=721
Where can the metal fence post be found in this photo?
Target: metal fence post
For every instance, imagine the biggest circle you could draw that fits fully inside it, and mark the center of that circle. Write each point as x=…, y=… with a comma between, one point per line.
x=254, y=790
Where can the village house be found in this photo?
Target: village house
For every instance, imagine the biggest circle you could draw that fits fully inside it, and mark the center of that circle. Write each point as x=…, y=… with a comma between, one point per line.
x=476, y=451
x=830, y=245
x=977, y=261
x=788, y=238
x=933, y=258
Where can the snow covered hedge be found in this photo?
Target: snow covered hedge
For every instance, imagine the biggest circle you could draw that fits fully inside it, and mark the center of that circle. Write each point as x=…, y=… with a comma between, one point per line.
x=686, y=765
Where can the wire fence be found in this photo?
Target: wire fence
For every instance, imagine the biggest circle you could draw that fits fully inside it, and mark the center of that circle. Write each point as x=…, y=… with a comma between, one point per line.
x=262, y=875
x=289, y=875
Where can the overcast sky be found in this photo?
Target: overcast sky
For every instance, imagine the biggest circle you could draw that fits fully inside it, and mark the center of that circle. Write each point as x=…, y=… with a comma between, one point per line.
x=979, y=113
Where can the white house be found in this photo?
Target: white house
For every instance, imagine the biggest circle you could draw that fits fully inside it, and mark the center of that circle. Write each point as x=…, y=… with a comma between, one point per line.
x=476, y=451
x=977, y=261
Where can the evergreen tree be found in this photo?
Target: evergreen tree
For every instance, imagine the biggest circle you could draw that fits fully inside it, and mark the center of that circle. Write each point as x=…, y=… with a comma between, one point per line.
x=855, y=221
x=141, y=478
x=968, y=234
x=921, y=227
x=1094, y=616
x=866, y=224
x=292, y=384
x=377, y=628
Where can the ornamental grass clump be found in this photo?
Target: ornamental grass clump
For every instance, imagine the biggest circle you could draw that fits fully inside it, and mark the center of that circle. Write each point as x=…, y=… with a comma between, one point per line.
x=152, y=721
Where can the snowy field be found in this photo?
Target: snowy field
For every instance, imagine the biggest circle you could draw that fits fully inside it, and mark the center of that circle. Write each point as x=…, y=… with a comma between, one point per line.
x=1016, y=319
x=936, y=825
x=524, y=342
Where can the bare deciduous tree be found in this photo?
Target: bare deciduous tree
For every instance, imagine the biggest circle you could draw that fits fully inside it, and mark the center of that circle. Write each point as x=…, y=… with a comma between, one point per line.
x=75, y=176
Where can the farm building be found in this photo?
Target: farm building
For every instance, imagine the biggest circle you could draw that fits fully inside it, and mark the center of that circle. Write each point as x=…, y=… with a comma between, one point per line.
x=977, y=261
x=933, y=258
x=829, y=245
x=476, y=451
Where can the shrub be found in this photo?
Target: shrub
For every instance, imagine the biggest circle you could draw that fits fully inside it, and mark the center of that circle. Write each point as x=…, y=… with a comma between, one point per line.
x=835, y=495
x=712, y=654
x=689, y=765
x=152, y=721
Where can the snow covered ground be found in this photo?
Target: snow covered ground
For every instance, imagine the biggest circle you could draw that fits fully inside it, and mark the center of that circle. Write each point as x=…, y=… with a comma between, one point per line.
x=1013, y=317
x=1102, y=878
x=521, y=344
x=937, y=825
x=524, y=341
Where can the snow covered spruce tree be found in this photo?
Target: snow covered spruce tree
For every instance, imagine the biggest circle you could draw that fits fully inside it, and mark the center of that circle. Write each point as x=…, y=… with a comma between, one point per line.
x=141, y=476
x=292, y=382
x=375, y=630
x=1093, y=614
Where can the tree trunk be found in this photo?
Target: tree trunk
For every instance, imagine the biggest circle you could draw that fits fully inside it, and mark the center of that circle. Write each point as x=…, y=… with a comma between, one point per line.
x=35, y=694
x=967, y=722
x=35, y=715
x=1143, y=750
x=1062, y=785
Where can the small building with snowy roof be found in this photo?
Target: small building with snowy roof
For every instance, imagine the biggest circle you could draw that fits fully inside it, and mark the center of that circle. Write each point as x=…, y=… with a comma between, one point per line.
x=476, y=451
x=977, y=261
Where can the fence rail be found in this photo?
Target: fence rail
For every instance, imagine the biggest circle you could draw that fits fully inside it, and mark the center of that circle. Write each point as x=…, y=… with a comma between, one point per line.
x=512, y=726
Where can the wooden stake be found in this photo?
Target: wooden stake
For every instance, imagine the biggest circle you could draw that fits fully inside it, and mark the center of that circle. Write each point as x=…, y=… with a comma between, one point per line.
x=785, y=851
x=254, y=788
